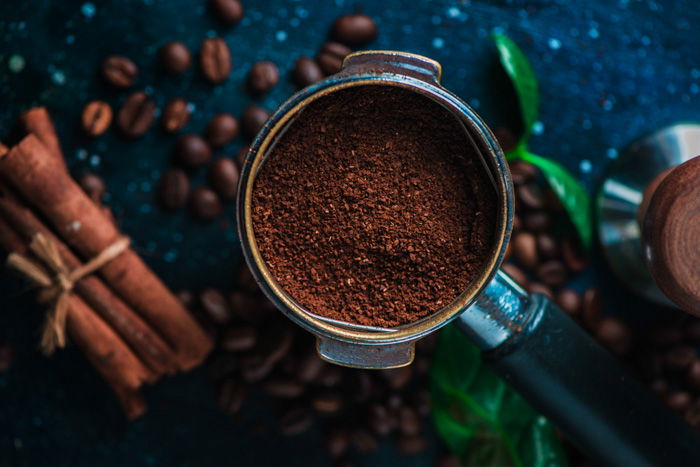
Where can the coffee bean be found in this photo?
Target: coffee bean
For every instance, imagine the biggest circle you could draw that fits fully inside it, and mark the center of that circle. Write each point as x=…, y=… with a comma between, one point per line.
x=93, y=186
x=537, y=221
x=119, y=71
x=380, y=420
x=215, y=60
x=330, y=57
x=530, y=196
x=295, y=421
x=186, y=297
x=573, y=256
x=254, y=118
x=363, y=441
x=175, y=115
x=411, y=445
x=552, y=273
x=337, y=442
x=205, y=204
x=241, y=155
x=96, y=118
x=222, y=129
x=678, y=401
x=569, y=301
x=244, y=306
x=421, y=401
x=516, y=273
x=330, y=376
x=409, y=421
x=283, y=388
x=397, y=377
x=592, y=307
x=255, y=368
x=665, y=336
x=547, y=246
x=7, y=356
x=614, y=334
x=552, y=201
x=237, y=339
x=522, y=172
x=191, y=151
x=327, y=402
x=231, y=395
x=509, y=251
x=659, y=386
x=449, y=460
x=536, y=287
x=136, y=114
x=306, y=72
x=173, y=189
x=692, y=331
x=223, y=177
x=277, y=343
x=229, y=12
x=692, y=414
x=506, y=139
x=680, y=357
x=354, y=29
x=215, y=306
x=692, y=376
x=310, y=367
x=262, y=77
x=175, y=57
x=525, y=249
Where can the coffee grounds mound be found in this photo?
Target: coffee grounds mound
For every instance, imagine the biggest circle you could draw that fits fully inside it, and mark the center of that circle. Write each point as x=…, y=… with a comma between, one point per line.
x=373, y=207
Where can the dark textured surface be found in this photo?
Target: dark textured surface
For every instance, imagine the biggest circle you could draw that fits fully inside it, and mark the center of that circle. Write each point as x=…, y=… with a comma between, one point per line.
x=610, y=71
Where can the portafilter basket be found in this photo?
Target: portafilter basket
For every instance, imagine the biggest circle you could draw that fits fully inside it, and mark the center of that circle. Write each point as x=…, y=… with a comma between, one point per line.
x=525, y=338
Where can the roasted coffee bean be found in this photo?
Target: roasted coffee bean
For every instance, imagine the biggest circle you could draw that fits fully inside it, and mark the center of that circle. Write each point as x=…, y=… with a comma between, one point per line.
x=522, y=172
x=205, y=204
x=552, y=273
x=449, y=460
x=547, y=246
x=295, y=421
x=659, y=386
x=255, y=368
x=692, y=331
x=327, y=402
x=191, y=151
x=244, y=306
x=229, y=12
x=537, y=221
x=397, y=377
x=310, y=367
x=421, y=365
x=678, y=401
x=569, y=301
x=536, y=287
x=354, y=29
x=283, y=388
x=136, y=114
x=525, y=249
x=306, y=72
x=238, y=338
x=277, y=343
x=176, y=114
x=409, y=421
x=262, y=77
x=175, y=57
x=509, y=252
x=363, y=440
x=380, y=420
x=119, y=71
x=394, y=402
x=215, y=306
x=337, y=442
x=421, y=401
x=530, y=196
x=592, y=307
x=253, y=120
x=679, y=358
x=231, y=395
x=222, y=129
x=411, y=445
x=186, y=297
x=552, y=201
x=223, y=177
x=330, y=57
x=7, y=356
x=692, y=376
x=614, y=334
x=665, y=336
x=516, y=273
x=215, y=60
x=330, y=376
x=173, y=189
x=506, y=139
x=93, y=186
x=96, y=118
x=692, y=414
x=573, y=256
x=241, y=155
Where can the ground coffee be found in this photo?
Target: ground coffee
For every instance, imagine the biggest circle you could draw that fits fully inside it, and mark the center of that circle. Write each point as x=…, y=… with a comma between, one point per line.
x=373, y=208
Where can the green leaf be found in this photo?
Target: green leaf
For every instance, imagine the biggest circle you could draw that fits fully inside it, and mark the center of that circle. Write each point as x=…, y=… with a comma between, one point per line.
x=524, y=80
x=480, y=418
x=569, y=191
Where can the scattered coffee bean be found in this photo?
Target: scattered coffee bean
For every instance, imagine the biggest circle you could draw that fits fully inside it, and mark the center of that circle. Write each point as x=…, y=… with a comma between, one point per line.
x=222, y=129
x=547, y=246
x=530, y=195
x=380, y=420
x=175, y=57
x=175, y=115
x=262, y=77
x=215, y=306
x=692, y=376
x=223, y=177
x=411, y=445
x=537, y=221
x=215, y=60
x=516, y=273
x=119, y=71
x=337, y=442
x=659, y=386
x=244, y=306
x=7, y=356
x=573, y=256
x=205, y=204
x=306, y=72
x=692, y=414
x=96, y=118
x=229, y=12
x=186, y=297
x=136, y=115
x=614, y=334
x=283, y=388
x=397, y=377
x=552, y=273
x=173, y=189
x=409, y=421
x=93, y=186
x=354, y=29
x=241, y=155
x=253, y=120
x=680, y=357
x=191, y=151
x=327, y=402
x=363, y=440
x=231, y=395
x=255, y=368
x=330, y=57
x=592, y=308
x=569, y=301
x=449, y=460
x=665, y=336
x=507, y=140
x=295, y=421
x=525, y=249
x=678, y=401
x=238, y=338
x=522, y=172
x=310, y=367
x=536, y=287
x=330, y=376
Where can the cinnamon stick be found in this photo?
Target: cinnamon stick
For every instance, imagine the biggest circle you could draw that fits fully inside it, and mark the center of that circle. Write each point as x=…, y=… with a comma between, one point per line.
x=148, y=345
x=43, y=181
x=37, y=121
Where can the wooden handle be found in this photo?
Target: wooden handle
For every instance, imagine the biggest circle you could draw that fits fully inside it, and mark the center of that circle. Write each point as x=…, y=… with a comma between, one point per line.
x=671, y=234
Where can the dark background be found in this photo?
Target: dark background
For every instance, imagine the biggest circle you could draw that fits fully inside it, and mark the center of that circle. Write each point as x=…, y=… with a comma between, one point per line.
x=609, y=71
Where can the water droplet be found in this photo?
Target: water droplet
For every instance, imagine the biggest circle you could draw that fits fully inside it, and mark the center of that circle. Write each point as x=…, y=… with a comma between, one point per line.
x=281, y=36
x=611, y=153
x=438, y=42
x=16, y=63
x=70, y=39
x=58, y=77
x=537, y=128
x=436, y=20
x=593, y=33
x=88, y=10
x=554, y=44
x=453, y=12
x=586, y=166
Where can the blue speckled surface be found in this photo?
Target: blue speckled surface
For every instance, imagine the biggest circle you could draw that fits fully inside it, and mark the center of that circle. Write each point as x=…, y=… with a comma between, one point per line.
x=610, y=71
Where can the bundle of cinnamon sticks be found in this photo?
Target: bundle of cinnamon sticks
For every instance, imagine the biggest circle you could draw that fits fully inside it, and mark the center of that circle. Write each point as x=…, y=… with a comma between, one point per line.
x=124, y=319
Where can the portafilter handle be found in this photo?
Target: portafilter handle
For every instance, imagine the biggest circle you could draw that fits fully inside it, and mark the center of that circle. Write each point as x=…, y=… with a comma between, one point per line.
x=569, y=378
